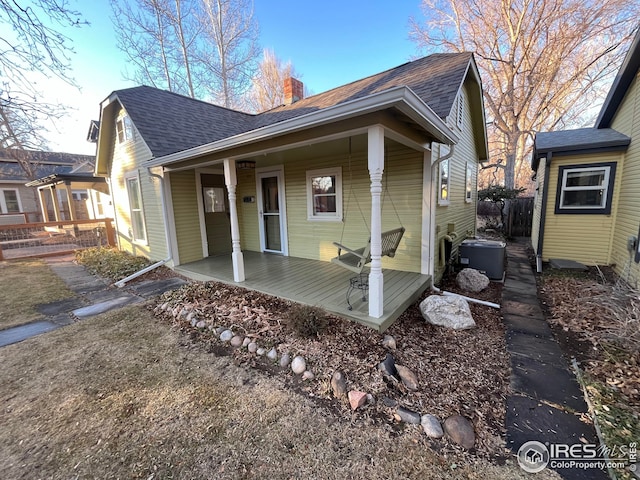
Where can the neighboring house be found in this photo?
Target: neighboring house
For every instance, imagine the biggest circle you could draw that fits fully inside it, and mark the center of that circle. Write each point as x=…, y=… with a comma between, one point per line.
x=73, y=196
x=17, y=198
x=588, y=183
x=191, y=180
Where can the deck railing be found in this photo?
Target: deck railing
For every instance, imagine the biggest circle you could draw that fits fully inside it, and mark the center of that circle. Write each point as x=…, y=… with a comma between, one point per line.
x=54, y=238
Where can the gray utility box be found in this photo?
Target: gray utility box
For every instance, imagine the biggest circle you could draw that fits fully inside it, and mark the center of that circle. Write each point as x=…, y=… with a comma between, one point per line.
x=487, y=256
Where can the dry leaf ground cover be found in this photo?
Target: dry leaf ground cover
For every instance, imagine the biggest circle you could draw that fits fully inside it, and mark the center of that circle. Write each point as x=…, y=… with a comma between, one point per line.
x=128, y=395
x=596, y=318
x=459, y=372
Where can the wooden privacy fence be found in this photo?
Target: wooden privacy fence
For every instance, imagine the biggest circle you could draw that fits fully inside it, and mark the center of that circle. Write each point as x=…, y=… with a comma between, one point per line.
x=54, y=238
x=520, y=217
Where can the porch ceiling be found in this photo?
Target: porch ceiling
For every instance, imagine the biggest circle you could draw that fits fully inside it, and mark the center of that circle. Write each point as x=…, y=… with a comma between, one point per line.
x=289, y=278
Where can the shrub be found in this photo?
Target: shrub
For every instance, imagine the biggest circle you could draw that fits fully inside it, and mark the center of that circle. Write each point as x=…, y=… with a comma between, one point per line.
x=306, y=321
x=110, y=263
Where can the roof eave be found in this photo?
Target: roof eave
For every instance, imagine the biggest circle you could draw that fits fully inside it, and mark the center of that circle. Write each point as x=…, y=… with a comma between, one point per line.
x=596, y=147
x=481, y=120
x=402, y=98
x=620, y=84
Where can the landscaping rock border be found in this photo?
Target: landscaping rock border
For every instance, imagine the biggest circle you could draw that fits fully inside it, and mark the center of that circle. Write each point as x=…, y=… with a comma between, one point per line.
x=456, y=427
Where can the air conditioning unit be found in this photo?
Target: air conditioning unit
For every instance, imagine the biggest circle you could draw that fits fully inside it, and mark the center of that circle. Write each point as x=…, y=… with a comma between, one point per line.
x=487, y=256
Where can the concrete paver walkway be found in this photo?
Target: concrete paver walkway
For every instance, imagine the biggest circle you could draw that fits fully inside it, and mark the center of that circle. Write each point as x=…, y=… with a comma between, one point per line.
x=547, y=401
x=93, y=295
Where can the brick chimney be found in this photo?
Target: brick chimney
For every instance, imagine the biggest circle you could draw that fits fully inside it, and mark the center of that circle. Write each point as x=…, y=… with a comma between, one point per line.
x=293, y=90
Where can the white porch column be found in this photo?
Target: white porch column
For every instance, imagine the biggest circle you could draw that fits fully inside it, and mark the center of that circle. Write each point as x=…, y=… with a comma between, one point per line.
x=376, y=168
x=428, y=216
x=43, y=204
x=237, y=258
x=56, y=205
x=71, y=205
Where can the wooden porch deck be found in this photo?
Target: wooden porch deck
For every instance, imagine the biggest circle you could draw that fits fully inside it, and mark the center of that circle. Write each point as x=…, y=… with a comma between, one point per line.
x=313, y=282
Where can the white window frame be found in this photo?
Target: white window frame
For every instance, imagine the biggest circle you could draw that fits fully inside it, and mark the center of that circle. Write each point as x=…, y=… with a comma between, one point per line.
x=443, y=201
x=124, y=129
x=137, y=237
x=3, y=200
x=324, y=216
x=604, y=187
x=468, y=183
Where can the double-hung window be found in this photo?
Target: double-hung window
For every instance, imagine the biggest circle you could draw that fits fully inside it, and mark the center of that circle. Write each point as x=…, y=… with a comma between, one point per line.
x=124, y=129
x=585, y=188
x=137, y=232
x=10, y=201
x=324, y=194
x=468, y=184
x=443, y=183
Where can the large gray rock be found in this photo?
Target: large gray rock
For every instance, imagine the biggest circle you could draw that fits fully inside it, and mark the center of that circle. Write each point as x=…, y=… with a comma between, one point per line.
x=408, y=377
x=472, y=280
x=460, y=430
x=388, y=366
x=409, y=416
x=431, y=426
x=298, y=365
x=446, y=311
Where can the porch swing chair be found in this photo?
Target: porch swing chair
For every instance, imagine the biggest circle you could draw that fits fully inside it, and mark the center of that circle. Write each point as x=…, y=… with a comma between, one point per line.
x=357, y=259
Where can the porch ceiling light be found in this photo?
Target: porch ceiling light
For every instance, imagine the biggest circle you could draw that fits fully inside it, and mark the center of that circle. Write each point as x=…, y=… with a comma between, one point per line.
x=245, y=165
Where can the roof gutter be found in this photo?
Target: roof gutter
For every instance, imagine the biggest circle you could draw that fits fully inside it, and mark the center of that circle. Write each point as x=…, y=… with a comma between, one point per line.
x=402, y=98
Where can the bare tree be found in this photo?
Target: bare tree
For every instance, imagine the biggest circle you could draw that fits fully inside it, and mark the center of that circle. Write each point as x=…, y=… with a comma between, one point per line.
x=230, y=29
x=203, y=48
x=544, y=63
x=143, y=32
x=33, y=44
x=267, y=91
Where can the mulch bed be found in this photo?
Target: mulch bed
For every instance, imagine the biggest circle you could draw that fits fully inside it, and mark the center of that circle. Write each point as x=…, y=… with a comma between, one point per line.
x=587, y=315
x=459, y=372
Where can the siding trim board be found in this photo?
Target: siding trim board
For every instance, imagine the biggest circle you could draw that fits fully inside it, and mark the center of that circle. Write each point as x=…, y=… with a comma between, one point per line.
x=543, y=212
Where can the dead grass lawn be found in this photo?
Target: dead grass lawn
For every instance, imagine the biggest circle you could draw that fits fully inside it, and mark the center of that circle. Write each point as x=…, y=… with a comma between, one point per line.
x=124, y=395
x=24, y=285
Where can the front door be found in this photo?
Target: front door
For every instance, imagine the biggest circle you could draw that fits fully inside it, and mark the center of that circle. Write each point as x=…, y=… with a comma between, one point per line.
x=271, y=209
x=216, y=214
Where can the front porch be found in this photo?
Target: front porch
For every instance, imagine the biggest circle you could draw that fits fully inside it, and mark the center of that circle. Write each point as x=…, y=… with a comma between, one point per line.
x=313, y=282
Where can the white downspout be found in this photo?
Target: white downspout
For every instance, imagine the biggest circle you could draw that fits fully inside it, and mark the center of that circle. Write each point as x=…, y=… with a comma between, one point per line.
x=433, y=239
x=468, y=299
x=121, y=283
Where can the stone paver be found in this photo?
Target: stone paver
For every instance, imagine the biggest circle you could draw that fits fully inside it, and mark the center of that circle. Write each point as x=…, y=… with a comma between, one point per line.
x=93, y=296
x=28, y=330
x=547, y=401
x=102, y=307
x=150, y=288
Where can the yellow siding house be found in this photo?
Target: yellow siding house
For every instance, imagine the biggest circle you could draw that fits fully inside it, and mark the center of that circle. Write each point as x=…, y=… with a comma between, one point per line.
x=195, y=184
x=587, y=204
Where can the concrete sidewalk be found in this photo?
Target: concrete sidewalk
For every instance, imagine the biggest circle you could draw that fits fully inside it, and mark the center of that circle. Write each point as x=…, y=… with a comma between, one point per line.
x=547, y=402
x=93, y=295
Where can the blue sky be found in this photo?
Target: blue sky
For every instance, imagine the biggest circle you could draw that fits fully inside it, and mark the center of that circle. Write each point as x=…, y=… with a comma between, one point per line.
x=329, y=42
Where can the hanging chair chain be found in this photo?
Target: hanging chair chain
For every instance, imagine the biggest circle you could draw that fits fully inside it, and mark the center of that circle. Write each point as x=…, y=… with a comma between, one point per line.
x=350, y=194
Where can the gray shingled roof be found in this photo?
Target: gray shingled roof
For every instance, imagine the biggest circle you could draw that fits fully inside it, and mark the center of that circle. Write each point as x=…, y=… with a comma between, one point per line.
x=45, y=163
x=579, y=139
x=565, y=141
x=170, y=123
